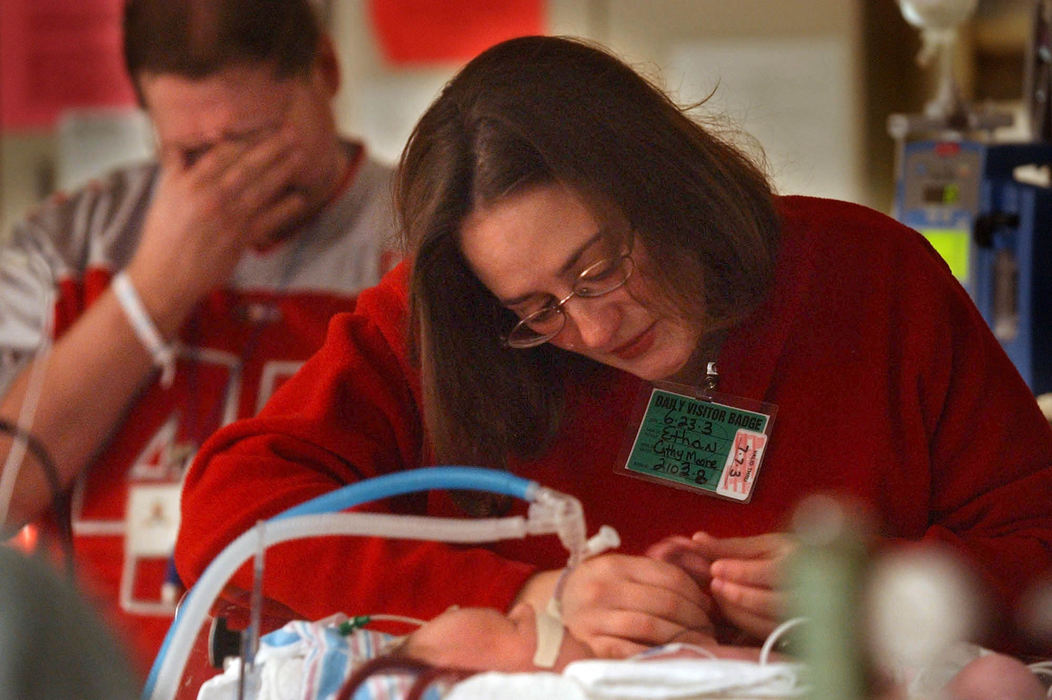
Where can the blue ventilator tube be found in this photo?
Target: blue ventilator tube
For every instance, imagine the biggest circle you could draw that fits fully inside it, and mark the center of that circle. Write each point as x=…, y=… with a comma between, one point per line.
x=396, y=484
x=414, y=480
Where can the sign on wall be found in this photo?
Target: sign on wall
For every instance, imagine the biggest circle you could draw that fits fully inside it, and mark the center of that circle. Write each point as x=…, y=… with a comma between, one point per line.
x=425, y=31
x=56, y=55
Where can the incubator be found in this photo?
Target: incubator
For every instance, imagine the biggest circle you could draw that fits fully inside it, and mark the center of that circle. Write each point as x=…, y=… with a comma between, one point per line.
x=314, y=659
x=549, y=512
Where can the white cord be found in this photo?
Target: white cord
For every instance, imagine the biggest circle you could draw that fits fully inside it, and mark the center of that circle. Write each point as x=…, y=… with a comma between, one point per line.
x=774, y=636
x=398, y=618
x=34, y=388
x=163, y=353
x=647, y=654
x=1043, y=668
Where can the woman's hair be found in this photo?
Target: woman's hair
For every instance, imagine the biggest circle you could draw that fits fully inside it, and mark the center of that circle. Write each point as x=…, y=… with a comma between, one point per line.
x=551, y=110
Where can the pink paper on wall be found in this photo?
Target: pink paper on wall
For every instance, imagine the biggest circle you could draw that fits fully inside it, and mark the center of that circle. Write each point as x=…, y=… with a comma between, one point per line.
x=58, y=54
x=426, y=31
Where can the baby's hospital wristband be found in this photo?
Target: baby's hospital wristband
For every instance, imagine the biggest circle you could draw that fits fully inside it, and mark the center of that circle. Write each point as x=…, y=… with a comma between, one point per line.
x=163, y=353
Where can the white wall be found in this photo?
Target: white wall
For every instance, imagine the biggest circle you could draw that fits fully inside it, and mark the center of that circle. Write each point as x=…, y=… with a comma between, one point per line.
x=786, y=71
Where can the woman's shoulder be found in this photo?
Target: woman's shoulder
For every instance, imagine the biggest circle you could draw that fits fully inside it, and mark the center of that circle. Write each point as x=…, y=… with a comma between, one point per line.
x=388, y=298
x=379, y=322
x=807, y=211
x=849, y=234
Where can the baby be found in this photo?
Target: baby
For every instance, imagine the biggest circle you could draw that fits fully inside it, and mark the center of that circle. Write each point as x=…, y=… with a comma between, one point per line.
x=484, y=639
x=452, y=652
x=450, y=656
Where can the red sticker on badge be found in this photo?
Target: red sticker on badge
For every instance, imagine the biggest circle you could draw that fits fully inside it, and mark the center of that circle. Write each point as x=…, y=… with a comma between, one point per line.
x=743, y=463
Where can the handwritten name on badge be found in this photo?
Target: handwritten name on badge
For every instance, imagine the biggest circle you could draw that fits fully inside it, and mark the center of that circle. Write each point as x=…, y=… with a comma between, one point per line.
x=699, y=445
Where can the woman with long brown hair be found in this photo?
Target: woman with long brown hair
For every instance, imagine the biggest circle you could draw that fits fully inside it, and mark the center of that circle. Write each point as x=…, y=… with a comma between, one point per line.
x=605, y=295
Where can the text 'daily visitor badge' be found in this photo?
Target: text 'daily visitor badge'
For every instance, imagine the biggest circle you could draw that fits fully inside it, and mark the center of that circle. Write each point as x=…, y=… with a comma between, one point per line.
x=698, y=440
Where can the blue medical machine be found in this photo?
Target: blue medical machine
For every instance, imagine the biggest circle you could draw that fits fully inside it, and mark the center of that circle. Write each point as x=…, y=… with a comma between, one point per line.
x=986, y=206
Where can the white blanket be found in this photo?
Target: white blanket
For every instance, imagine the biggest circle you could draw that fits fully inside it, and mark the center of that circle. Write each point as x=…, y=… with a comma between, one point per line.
x=641, y=679
x=310, y=661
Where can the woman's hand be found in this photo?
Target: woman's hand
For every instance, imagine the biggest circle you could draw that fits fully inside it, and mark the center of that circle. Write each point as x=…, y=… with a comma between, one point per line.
x=620, y=604
x=686, y=554
x=743, y=574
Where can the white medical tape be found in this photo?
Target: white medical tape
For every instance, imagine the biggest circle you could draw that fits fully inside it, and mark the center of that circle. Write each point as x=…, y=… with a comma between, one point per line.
x=550, y=632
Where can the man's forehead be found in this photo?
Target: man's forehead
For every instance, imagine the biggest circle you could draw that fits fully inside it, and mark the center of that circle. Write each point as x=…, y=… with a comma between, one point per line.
x=230, y=104
x=238, y=77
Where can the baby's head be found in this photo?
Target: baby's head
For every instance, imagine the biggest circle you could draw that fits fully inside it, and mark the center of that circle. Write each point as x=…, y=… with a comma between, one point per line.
x=484, y=639
x=996, y=676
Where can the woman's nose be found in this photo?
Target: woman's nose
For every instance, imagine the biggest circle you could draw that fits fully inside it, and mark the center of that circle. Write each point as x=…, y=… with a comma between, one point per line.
x=593, y=321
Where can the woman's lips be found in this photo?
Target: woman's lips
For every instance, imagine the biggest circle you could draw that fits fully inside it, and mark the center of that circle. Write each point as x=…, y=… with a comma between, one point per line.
x=636, y=347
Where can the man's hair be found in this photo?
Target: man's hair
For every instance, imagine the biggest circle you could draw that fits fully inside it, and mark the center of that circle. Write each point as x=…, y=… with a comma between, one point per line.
x=198, y=38
x=548, y=110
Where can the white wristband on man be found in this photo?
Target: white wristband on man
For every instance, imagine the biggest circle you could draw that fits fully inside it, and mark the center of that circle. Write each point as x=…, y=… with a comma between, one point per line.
x=163, y=353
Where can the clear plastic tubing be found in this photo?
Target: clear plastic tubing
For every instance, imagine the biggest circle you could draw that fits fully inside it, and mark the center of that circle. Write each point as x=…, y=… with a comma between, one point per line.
x=316, y=517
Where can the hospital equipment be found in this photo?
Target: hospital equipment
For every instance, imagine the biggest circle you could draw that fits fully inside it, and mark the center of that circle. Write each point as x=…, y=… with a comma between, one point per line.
x=832, y=541
x=985, y=206
x=550, y=512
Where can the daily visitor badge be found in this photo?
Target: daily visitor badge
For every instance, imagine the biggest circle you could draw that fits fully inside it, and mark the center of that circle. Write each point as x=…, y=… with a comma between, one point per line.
x=699, y=440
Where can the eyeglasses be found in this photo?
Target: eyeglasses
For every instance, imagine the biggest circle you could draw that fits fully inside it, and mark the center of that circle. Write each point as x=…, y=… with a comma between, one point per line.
x=599, y=278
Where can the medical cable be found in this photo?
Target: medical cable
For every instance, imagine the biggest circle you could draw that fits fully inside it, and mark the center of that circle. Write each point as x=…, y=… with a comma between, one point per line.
x=385, y=486
x=59, y=504
x=250, y=636
x=21, y=431
x=33, y=444
x=34, y=386
x=361, y=621
x=174, y=652
x=776, y=635
x=550, y=512
x=1043, y=669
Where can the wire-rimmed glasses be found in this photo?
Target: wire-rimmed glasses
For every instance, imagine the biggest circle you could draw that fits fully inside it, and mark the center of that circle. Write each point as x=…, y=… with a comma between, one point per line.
x=599, y=278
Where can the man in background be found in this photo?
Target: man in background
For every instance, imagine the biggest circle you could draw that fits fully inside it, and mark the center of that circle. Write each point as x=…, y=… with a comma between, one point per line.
x=180, y=293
